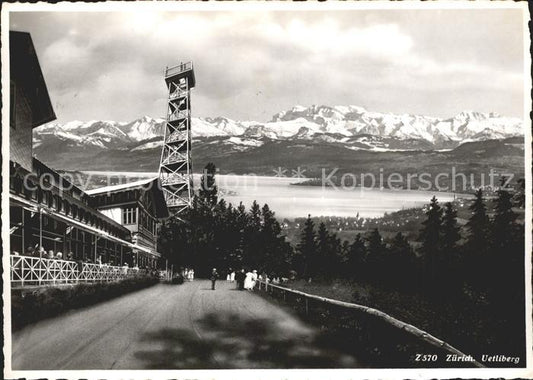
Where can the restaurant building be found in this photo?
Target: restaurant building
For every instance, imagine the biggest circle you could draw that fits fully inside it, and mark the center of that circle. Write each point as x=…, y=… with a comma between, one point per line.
x=49, y=213
x=138, y=206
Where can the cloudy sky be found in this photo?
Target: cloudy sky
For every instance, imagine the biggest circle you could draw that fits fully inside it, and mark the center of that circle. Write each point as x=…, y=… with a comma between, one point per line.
x=250, y=65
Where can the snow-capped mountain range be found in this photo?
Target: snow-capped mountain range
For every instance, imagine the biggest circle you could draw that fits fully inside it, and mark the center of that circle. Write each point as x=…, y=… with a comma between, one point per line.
x=352, y=126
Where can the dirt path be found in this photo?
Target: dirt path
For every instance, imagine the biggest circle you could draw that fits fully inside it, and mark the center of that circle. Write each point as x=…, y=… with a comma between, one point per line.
x=172, y=327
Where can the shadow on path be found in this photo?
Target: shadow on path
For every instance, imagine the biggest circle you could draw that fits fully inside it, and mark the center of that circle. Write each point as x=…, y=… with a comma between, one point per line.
x=228, y=340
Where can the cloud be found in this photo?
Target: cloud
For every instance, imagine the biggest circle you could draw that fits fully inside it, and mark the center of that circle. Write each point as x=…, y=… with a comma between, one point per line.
x=326, y=38
x=250, y=65
x=65, y=52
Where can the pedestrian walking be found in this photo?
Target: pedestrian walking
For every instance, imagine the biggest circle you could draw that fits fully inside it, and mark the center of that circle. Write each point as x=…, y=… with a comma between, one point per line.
x=248, y=281
x=254, y=278
x=214, y=277
x=239, y=277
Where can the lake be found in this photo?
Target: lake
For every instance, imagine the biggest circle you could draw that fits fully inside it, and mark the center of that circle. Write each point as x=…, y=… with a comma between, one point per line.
x=289, y=201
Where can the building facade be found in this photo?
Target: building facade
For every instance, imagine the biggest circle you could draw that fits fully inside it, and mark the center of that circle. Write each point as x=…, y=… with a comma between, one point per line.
x=138, y=206
x=47, y=212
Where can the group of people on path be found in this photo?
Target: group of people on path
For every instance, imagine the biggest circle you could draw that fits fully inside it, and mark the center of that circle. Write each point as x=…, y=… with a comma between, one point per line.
x=188, y=274
x=244, y=280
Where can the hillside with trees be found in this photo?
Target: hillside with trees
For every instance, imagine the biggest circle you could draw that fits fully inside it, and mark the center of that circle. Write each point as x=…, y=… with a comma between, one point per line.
x=461, y=282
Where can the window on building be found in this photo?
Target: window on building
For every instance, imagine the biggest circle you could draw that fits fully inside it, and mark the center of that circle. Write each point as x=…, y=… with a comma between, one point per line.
x=129, y=215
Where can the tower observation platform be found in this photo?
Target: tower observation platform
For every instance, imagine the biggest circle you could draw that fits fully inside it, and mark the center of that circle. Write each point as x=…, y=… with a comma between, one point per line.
x=175, y=168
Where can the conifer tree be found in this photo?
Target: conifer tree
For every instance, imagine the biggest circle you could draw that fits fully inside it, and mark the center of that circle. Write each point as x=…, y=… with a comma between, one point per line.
x=430, y=237
x=255, y=216
x=306, y=249
x=226, y=237
x=477, y=228
x=242, y=224
x=356, y=257
x=344, y=256
x=507, y=246
x=334, y=256
x=317, y=263
x=208, y=189
x=503, y=227
x=450, y=230
x=375, y=255
x=401, y=261
x=253, y=244
x=431, y=230
x=273, y=253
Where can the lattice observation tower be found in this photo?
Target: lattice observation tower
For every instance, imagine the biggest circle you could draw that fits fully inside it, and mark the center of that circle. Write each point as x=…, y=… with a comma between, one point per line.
x=175, y=168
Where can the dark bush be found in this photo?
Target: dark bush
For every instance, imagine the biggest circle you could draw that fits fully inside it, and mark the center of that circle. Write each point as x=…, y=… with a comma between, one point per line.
x=177, y=279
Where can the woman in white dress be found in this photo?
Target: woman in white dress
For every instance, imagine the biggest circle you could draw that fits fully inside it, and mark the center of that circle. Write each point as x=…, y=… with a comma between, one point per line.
x=254, y=278
x=232, y=276
x=248, y=281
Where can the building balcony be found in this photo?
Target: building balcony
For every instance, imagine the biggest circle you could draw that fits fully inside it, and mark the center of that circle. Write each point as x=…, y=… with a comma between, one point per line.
x=183, y=70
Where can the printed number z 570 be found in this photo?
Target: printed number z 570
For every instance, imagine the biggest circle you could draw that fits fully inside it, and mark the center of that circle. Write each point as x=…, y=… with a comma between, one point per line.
x=426, y=358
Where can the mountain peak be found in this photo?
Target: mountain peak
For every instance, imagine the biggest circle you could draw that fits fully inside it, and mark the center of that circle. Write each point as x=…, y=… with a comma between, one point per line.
x=339, y=124
x=472, y=115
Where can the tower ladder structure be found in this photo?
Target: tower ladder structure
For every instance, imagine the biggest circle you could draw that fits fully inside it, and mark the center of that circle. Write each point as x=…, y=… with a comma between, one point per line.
x=175, y=168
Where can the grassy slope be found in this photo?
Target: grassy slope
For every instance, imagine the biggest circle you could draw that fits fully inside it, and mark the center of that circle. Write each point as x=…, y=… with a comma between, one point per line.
x=461, y=320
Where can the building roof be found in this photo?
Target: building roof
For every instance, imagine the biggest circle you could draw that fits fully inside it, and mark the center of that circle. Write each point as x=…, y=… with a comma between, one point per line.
x=121, y=187
x=26, y=75
x=152, y=184
x=40, y=168
x=70, y=192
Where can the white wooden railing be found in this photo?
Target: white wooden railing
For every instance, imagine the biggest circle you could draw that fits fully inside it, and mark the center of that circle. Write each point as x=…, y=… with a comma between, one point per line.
x=422, y=335
x=35, y=271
